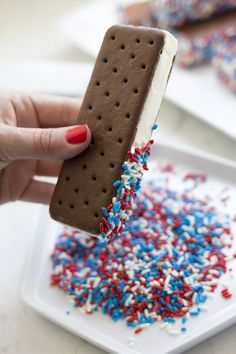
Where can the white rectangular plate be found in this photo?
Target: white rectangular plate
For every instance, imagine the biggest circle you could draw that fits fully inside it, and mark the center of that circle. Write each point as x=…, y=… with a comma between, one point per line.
x=98, y=328
x=197, y=90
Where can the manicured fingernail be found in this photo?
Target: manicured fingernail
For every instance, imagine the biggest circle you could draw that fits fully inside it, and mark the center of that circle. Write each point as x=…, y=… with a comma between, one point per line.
x=77, y=135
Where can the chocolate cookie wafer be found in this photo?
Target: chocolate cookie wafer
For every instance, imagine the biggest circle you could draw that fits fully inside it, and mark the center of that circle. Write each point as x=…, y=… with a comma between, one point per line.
x=95, y=190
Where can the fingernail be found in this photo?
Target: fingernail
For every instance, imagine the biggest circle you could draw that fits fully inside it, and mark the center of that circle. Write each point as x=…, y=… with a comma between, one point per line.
x=77, y=135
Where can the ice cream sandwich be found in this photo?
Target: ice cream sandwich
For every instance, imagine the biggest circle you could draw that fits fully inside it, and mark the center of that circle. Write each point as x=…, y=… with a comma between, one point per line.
x=136, y=13
x=196, y=40
x=224, y=59
x=95, y=190
x=177, y=13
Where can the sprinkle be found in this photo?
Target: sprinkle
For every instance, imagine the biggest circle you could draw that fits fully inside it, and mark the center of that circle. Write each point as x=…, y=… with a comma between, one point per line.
x=174, y=332
x=226, y=294
x=138, y=330
x=155, y=126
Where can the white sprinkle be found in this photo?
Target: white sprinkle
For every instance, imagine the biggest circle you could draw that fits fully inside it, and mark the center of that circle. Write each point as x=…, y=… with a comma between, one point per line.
x=134, y=288
x=213, y=271
x=214, y=259
x=174, y=332
x=187, y=315
x=167, y=282
x=155, y=283
x=58, y=269
x=188, y=293
x=144, y=325
x=127, y=302
x=194, y=297
x=180, y=260
x=145, y=271
x=184, y=302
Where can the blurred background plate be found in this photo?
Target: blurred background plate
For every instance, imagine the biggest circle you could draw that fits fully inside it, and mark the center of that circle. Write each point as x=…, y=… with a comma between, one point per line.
x=195, y=90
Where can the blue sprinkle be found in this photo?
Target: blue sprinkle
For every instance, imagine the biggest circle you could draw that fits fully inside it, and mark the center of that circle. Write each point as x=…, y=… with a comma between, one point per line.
x=155, y=126
x=117, y=183
x=105, y=212
x=116, y=207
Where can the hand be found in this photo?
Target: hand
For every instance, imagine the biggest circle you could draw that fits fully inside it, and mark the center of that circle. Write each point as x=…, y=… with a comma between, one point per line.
x=33, y=140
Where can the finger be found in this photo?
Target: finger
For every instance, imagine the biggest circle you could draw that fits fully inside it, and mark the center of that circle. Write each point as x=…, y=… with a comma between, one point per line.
x=38, y=192
x=48, y=168
x=55, y=111
x=44, y=144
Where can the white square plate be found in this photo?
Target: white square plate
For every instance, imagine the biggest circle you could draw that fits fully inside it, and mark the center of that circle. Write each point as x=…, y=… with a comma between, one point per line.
x=197, y=90
x=98, y=328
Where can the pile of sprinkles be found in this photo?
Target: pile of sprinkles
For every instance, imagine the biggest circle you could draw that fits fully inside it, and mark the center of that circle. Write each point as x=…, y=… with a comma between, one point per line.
x=165, y=266
x=118, y=212
x=176, y=13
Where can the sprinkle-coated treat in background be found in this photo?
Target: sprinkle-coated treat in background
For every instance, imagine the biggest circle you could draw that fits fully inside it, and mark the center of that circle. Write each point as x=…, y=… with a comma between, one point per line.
x=224, y=59
x=205, y=46
x=196, y=24
x=176, y=13
x=196, y=50
x=173, y=257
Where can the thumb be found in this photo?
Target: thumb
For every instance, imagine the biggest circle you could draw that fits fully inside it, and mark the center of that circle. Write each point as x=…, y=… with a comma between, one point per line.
x=57, y=144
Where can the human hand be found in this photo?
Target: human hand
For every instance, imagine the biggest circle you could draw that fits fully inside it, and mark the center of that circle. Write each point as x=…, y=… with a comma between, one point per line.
x=33, y=140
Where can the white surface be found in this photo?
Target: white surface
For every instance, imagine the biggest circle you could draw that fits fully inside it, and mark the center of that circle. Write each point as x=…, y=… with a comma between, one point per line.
x=52, y=77
x=25, y=36
x=156, y=91
x=196, y=90
x=98, y=328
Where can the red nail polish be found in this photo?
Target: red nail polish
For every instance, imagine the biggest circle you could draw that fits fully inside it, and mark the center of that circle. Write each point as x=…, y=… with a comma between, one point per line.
x=77, y=135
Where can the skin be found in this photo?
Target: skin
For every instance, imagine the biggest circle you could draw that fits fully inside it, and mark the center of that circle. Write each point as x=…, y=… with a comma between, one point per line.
x=33, y=143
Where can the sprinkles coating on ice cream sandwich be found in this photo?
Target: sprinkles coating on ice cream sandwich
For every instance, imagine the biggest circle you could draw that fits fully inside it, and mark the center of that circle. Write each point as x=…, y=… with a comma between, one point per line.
x=116, y=214
x=224, y=59
x=176, y=13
